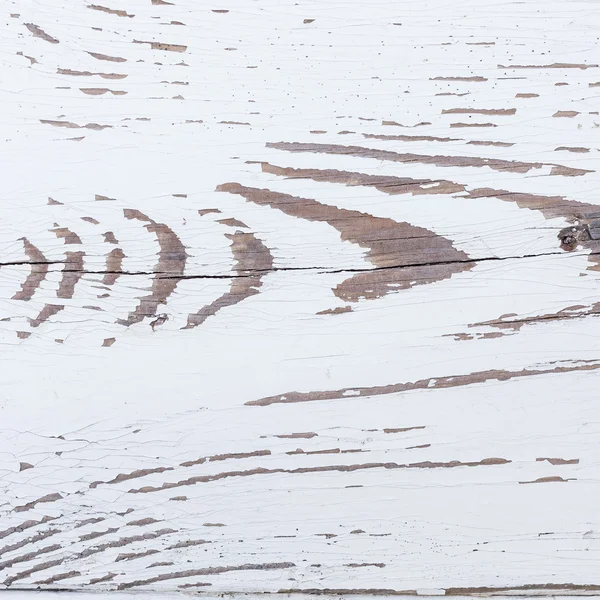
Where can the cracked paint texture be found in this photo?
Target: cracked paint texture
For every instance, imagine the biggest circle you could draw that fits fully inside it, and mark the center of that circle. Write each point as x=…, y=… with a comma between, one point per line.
x=300, y=297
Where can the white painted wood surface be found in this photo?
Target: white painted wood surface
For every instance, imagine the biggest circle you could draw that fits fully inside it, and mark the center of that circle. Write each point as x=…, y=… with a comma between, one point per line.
x=300, y=296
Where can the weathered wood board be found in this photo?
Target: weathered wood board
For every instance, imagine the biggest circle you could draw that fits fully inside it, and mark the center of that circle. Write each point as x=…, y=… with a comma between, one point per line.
x=300, y=296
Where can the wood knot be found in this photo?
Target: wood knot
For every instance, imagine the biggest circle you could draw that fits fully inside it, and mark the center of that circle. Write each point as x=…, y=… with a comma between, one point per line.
x=570, y=237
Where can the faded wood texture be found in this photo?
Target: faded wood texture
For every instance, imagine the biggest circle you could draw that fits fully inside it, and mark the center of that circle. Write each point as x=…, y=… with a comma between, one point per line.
x=300, y=295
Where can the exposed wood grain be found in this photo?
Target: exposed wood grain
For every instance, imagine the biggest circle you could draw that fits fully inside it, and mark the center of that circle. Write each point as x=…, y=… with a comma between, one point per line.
x=300, y=298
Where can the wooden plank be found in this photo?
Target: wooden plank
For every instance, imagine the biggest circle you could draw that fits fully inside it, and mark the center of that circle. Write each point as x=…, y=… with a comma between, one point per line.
x=300, y=297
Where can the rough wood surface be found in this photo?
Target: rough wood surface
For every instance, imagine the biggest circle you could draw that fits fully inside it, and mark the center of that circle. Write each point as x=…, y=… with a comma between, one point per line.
x=300, y=296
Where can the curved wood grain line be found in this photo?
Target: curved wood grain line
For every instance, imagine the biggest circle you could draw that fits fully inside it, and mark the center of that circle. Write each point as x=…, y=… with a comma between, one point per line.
x=472, y=78
x=163, y=46
x=103, y=579
x=508, y=590
x=85, y=553
x=169, y=268
x=512, y=322
x=26, y=525
x=581, y=66
x=38, y=32
x=122, y=542
x=90, y=521
x=504, y=112
x=407, y=255
x=44, y=499
x=135, y=555
x=71, y=125
x=490, y=143
x=446, y=381
x=29, y=556
x=74, y=73
x=568, y=588
x=206, y=571
x=222, y=457
x=59, y=577
x=189, y=463
x=71, y=274
x=99, y=56
x=96, y=534
x=550, y=206
x=253, y=260
x=39, y=271
x=187, y=544
x=194, y=585
x=133, y=475
x=384, y=183
x=410, y=138
x=496, y=164
x=36, y=569
x=30, y=540
x=322, y=469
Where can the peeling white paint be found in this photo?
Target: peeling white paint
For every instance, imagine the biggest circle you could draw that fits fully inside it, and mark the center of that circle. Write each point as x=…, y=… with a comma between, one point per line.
x=391, y=383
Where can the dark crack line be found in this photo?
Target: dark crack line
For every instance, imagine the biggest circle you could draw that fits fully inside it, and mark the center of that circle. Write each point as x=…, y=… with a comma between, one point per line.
x=527, y=321
x=321, y=270
x=449, y=262
x=167, y=275
x=27, y=263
